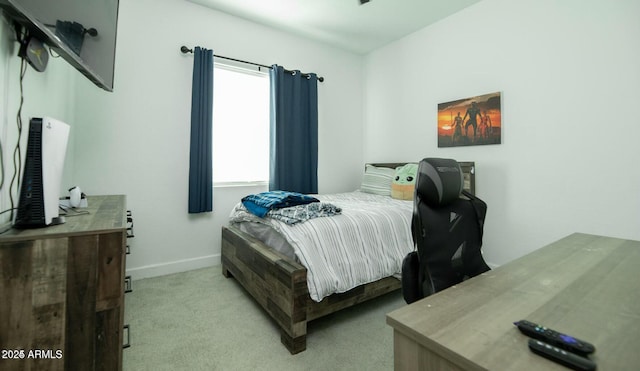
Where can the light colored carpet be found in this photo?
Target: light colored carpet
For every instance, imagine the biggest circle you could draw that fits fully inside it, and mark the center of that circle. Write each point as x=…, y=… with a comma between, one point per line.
x=200, y=320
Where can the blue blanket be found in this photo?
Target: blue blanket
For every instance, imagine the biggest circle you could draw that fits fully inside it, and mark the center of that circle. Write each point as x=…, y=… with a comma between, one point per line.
x=259, y=204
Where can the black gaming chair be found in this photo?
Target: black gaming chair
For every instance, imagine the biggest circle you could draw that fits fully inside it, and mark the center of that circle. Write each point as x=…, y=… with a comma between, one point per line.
x=447, y=231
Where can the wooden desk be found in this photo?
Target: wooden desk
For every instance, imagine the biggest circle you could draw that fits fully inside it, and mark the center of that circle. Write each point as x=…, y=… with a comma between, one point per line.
x=583, y=285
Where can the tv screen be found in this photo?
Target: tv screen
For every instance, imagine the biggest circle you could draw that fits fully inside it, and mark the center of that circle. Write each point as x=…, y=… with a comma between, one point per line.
x=82, y=32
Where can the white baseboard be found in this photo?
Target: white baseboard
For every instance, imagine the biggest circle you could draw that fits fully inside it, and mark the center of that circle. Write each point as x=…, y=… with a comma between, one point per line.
x=155, y=270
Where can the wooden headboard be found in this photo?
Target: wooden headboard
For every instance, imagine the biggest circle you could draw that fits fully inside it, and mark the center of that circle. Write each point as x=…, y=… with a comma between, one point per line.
x=468, y=171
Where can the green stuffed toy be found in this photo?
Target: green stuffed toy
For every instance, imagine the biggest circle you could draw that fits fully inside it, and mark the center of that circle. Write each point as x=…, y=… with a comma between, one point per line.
x=404, y=183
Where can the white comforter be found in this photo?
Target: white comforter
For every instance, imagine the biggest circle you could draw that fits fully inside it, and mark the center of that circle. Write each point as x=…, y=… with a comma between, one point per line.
x=365, y=243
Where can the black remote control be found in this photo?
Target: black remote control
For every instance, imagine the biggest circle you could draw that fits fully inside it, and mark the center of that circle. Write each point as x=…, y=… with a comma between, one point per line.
x=561, y=356
x=555, y=338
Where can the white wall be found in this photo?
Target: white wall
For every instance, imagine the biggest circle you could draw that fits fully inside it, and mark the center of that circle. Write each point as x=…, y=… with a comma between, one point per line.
x=568, y=72
x=135, y=141
x=49, y=93
x=569, y=77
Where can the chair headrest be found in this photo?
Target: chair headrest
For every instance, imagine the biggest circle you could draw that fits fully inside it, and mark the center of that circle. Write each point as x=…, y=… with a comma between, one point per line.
x=439, y=181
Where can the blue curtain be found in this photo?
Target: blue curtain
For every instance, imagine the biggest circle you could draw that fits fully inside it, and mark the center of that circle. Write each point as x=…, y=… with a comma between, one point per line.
x=294, y=131
x=200, y=158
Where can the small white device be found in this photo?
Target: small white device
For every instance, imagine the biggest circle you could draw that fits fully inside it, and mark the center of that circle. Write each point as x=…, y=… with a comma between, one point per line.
x=75, y=196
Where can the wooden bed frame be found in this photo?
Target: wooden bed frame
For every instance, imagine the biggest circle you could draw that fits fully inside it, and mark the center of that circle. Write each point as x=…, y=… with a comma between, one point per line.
x=279, y=284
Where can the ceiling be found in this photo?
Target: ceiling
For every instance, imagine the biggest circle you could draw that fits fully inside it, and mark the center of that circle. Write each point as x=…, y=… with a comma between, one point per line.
x=343, y=23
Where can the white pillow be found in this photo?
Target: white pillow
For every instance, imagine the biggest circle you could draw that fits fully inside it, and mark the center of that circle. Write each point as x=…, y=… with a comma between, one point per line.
x=377, y=180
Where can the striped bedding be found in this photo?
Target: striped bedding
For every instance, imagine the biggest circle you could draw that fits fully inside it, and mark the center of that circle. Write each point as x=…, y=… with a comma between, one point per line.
x=365, y=243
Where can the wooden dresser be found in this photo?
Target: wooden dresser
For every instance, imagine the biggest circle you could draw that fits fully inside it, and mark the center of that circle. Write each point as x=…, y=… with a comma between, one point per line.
x=62, y=292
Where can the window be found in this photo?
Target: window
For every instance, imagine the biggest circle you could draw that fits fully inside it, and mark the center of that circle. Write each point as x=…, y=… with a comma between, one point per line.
x=240, y=125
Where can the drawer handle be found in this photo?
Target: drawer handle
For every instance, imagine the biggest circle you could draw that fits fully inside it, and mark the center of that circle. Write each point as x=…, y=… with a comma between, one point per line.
x=127, y=284
x=128, y=343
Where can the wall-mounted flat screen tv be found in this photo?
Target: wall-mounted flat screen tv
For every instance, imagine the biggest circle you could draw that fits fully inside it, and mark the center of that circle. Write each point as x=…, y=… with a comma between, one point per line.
x=82, y=32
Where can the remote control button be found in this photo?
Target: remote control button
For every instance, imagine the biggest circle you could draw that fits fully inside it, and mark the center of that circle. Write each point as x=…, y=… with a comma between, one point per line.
x=569, y=339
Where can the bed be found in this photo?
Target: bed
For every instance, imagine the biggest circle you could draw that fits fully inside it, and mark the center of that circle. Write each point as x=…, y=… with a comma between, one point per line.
x=281, y=284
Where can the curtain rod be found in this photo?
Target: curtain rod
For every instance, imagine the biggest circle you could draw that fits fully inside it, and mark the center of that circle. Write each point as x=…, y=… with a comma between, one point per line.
x=186, y=50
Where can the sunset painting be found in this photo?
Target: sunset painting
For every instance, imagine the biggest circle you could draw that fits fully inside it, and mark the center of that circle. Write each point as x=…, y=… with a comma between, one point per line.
x=470, y=121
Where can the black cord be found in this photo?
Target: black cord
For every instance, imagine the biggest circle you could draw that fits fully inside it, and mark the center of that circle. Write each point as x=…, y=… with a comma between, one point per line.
x=7, y=210
x=68, y=211
x=1, y=165
x=4, y=227
x=17, y=153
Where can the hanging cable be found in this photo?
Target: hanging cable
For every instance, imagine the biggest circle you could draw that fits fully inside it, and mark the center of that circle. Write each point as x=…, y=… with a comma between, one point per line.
x=1, y=165
x=17, y=153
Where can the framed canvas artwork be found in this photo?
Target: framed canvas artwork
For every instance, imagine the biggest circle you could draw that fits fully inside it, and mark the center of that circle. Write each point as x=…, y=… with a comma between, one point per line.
x=470, y=121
